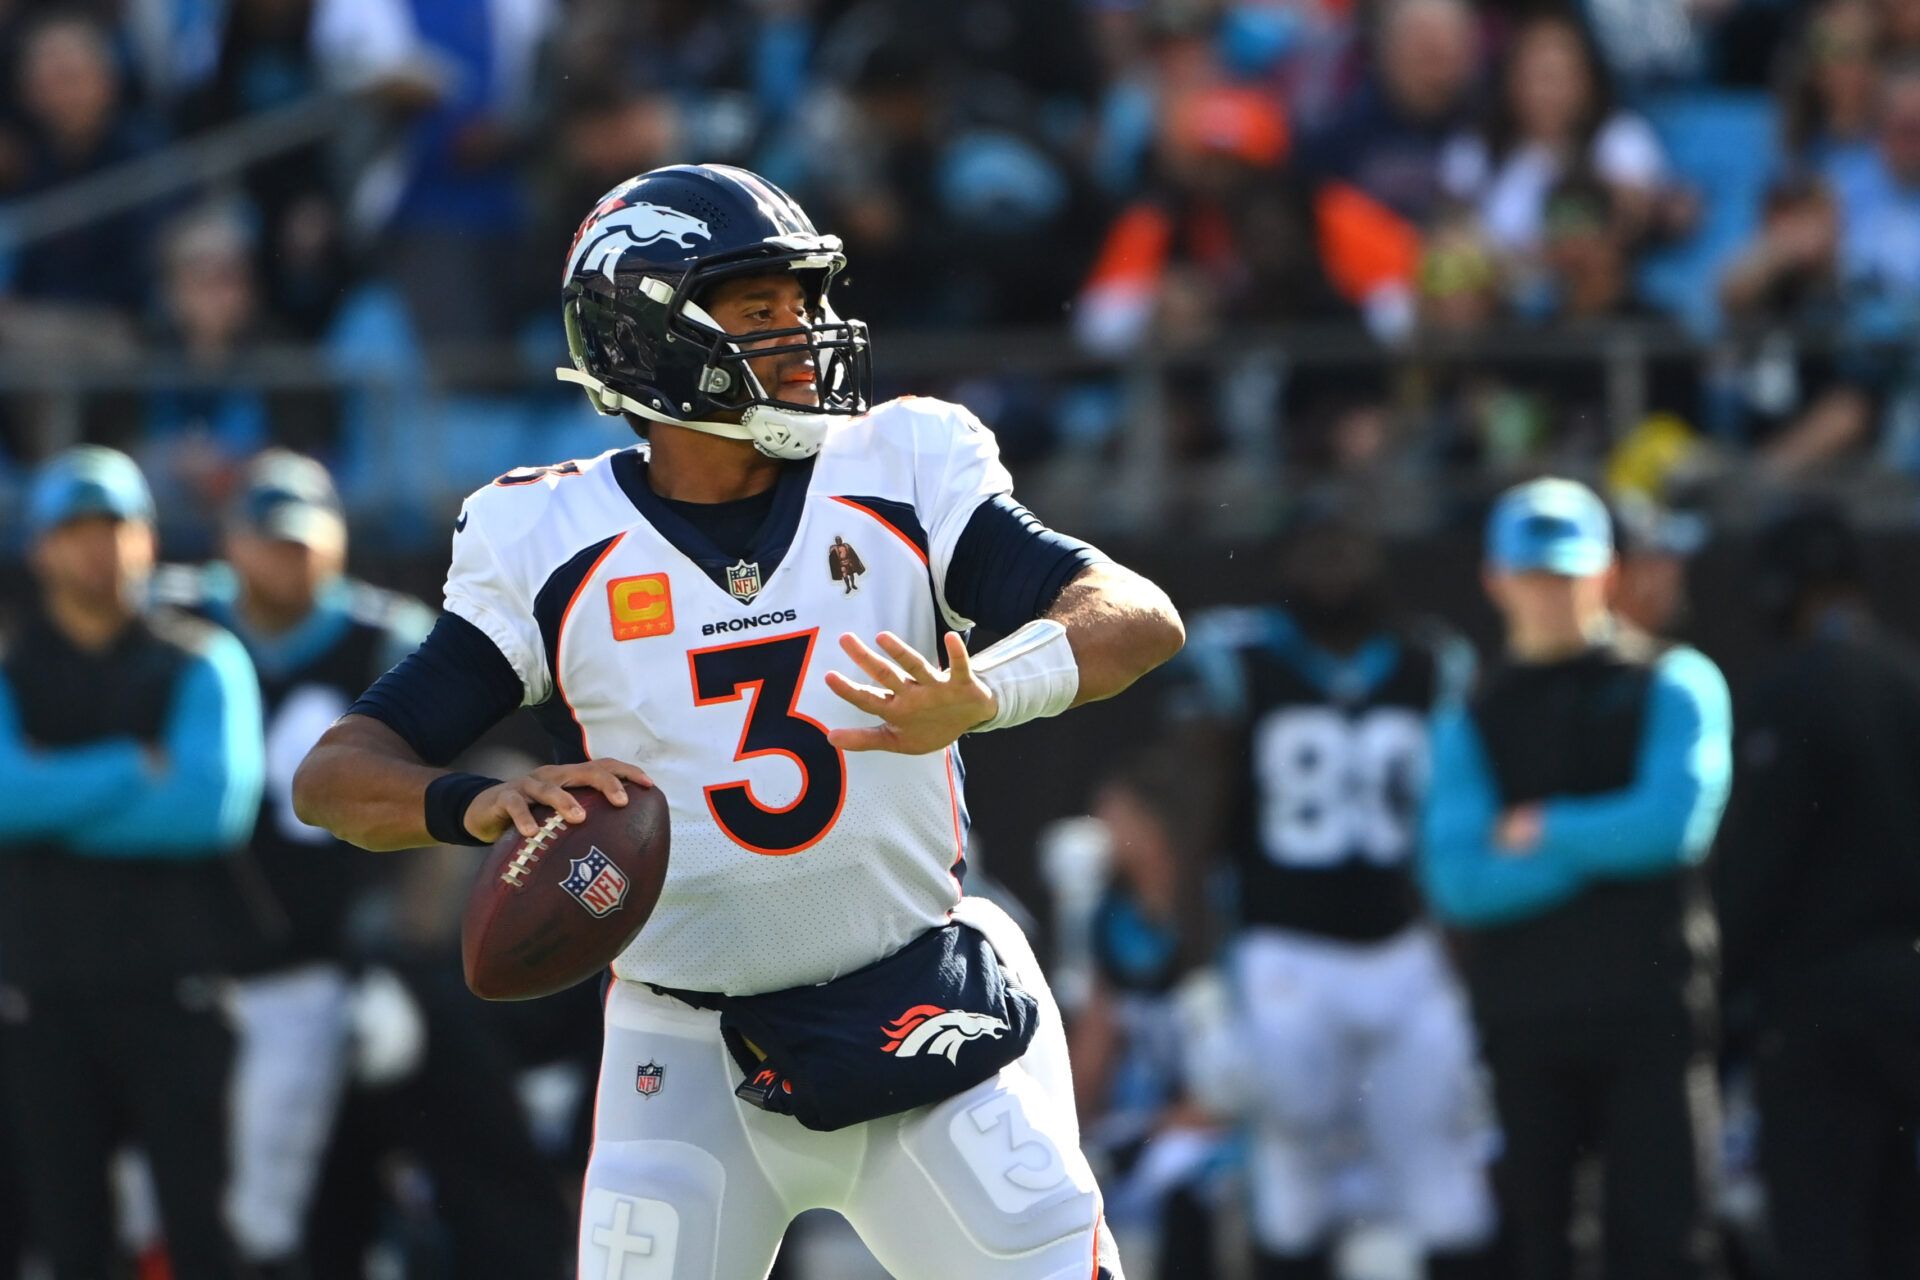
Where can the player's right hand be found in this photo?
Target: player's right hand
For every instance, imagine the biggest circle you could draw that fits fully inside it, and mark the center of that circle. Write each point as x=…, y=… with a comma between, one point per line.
x=511, y=803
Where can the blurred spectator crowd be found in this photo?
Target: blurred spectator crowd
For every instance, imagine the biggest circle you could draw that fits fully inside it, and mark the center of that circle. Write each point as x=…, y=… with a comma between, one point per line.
x=1163, y=180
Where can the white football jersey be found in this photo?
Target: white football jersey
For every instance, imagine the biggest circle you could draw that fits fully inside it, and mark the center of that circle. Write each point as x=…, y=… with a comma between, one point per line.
x=792, y=862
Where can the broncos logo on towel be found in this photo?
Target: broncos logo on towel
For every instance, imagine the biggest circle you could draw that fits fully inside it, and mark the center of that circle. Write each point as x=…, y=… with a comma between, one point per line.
x=927, y=1028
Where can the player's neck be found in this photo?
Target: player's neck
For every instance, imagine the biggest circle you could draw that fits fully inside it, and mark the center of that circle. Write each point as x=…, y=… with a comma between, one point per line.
x=1556, y=640
x=692, y=466
x=267, y=619
x=88, y=624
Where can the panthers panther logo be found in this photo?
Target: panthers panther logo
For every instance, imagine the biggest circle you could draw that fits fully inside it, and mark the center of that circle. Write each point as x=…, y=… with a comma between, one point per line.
x=927, y=1028
x=632, y=227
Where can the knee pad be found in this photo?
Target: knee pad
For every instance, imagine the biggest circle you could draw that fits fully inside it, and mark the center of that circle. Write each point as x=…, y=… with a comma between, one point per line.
x=1452, y=1210
x=651, y=1212
x=1427, y=1078
x=1291, y=1197
x=1431, y=1129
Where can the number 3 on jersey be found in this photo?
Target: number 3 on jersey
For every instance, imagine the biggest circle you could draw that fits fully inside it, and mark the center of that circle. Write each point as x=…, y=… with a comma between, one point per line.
x=773, y=668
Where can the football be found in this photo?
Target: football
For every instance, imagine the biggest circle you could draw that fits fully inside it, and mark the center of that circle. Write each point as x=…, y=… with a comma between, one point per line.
x=554, y=910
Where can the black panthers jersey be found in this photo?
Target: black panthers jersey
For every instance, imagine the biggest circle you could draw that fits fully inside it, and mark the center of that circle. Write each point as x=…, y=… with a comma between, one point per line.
x=1332, y=750
x=308, y=678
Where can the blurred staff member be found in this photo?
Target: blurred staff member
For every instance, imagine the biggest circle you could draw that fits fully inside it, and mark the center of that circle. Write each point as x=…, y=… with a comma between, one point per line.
x=130, y=763
x=1650, y=592
x=316, y=639
x=1356, y=1026
x=1818, y=880
x=1131, y=1040
x=1572, y=801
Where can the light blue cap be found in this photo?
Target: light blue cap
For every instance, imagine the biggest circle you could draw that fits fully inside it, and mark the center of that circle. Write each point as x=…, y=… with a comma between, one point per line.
x=1550, y=526
x=291, y=497
x=87, y=480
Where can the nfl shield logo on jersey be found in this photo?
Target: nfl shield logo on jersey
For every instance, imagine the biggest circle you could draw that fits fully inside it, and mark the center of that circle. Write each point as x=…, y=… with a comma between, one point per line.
x=743, y=580
x=596, y=883
x=648, y=1078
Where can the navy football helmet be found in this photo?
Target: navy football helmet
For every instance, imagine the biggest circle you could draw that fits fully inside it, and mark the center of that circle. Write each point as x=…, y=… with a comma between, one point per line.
x=641, y=342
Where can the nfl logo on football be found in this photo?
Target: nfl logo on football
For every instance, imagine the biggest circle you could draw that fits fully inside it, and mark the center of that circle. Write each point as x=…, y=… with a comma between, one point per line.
x=648, y=1078
x=743, y=580
x=596, y=883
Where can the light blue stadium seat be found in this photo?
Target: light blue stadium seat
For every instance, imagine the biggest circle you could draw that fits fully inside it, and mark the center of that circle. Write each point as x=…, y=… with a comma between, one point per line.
x=567, y=427
x=372, y=338
x=476, y=436
x=1724, y=145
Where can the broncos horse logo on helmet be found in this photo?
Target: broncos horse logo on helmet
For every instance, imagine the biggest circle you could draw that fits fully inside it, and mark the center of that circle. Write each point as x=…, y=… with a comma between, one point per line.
x=641, y=342
x=630, y=226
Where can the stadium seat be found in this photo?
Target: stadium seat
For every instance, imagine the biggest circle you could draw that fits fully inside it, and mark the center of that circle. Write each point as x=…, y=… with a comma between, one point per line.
x=1724, y=147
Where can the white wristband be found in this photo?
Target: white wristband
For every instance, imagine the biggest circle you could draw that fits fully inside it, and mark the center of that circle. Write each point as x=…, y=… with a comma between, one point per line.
x=1032, y=674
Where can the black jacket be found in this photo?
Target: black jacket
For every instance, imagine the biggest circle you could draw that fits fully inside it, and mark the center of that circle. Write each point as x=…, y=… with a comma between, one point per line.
x=1818, y=869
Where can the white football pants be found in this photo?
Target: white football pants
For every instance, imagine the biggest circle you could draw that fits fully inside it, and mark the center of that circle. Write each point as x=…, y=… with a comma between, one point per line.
x=288, y=1079
x=1368, y=1047
x=689, y=1183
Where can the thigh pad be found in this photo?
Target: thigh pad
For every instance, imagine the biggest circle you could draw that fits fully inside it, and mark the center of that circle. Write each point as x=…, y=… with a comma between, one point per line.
x=1006, y=1164
x=651, y=1212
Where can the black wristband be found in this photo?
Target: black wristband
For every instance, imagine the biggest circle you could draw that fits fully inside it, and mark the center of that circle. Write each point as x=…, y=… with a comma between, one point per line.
x=448, y=798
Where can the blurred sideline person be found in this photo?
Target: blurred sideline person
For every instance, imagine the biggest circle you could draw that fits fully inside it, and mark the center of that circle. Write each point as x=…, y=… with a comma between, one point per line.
x=1572, y=801
x=1818, y=882
x=1129, y=1040
x=130, y=767
x=316, y=639
x=1650, y=592
x=1319, y=710
x=14, y=1240
x=439, y=1101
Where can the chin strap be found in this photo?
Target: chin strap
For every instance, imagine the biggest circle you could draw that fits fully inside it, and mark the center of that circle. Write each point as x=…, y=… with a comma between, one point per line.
x=778, y=433
x=609, y=401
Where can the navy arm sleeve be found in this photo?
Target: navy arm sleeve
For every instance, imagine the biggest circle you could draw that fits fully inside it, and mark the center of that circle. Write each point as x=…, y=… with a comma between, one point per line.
x=1008, y=568
x=444, y=695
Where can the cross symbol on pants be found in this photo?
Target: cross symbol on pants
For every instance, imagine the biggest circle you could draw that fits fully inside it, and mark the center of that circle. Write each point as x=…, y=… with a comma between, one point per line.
x=621, y=1242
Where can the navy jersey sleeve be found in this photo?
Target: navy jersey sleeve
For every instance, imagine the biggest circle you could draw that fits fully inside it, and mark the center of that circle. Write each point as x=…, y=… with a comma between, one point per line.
x=444, y=695
x=1008, y=568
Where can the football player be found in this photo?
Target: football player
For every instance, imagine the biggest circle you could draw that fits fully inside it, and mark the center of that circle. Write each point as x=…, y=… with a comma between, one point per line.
x=1352, y=1023
x=814, y=1015
x=316, y=638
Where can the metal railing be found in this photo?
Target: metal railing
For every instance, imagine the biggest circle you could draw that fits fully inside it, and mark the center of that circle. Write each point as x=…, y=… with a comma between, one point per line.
x=1135, y=478
x=177, y=168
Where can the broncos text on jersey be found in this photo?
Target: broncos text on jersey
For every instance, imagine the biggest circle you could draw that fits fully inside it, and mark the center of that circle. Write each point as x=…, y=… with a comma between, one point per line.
x=635, y=637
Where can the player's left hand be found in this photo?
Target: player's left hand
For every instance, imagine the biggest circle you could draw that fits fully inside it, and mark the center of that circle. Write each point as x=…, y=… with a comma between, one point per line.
x=1518, y=833
x=924, y=709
